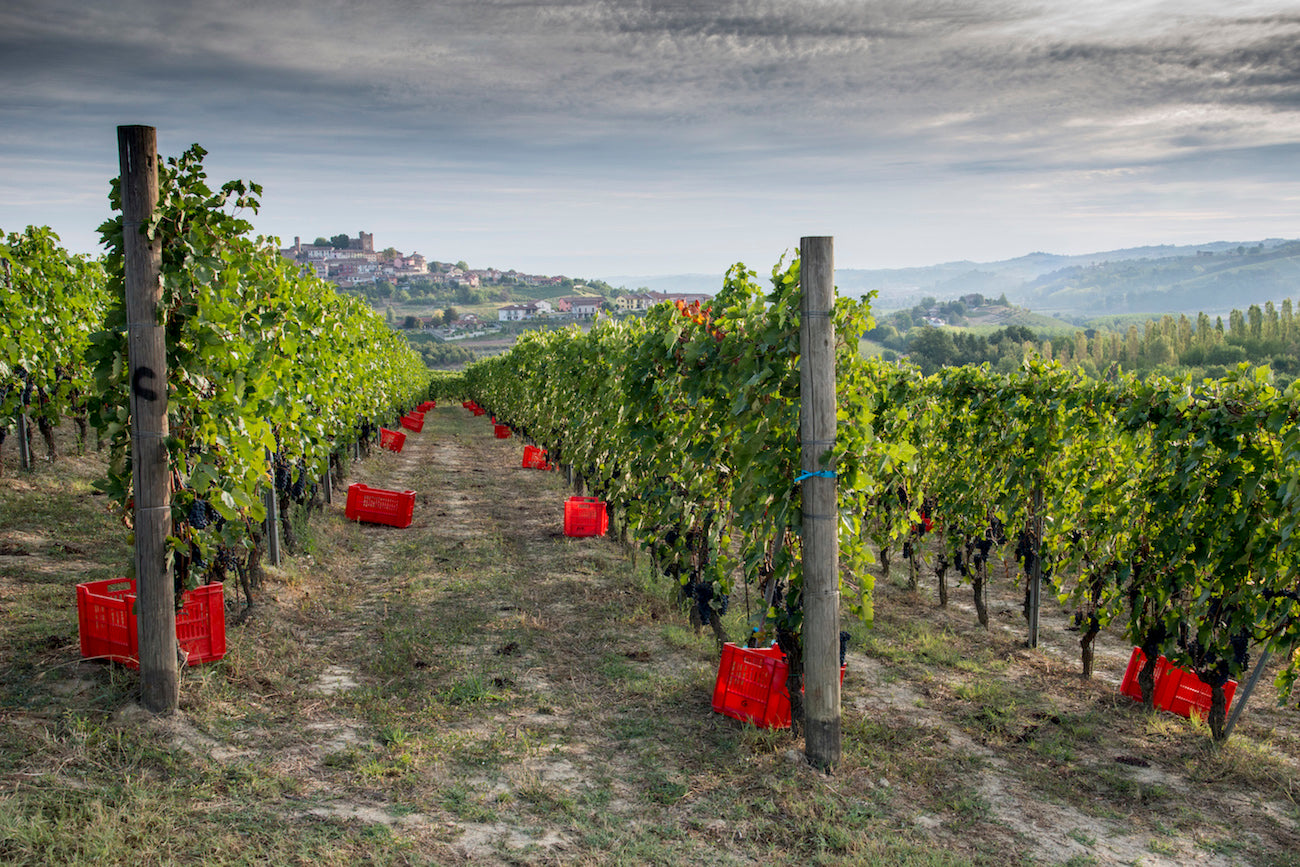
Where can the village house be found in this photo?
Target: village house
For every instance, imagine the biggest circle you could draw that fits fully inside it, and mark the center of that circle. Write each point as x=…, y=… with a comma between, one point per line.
x=583, y=306
x=684, y=297
x=518, y=312
x=636, y=301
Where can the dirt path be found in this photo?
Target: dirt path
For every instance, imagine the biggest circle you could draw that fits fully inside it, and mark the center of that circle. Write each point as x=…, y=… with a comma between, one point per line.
x=478, y=688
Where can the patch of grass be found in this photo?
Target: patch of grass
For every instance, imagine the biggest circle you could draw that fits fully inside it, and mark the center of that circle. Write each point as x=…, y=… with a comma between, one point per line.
x=663, y=790
x=1081, y=837
x=460, y=801
x=470, y=689
x=549, y=802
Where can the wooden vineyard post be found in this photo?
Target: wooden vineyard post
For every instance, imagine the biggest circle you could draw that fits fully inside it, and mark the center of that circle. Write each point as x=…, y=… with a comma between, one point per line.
x=1243, y=695
x=1036, y=573
x=147, y=357
x=25, y=459
x=271, y=526
x=821, y=574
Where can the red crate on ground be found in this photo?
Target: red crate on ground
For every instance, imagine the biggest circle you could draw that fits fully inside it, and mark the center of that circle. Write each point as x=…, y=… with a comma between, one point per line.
x=1129, y=685
x=478, y=410
x=501, y=431
x=427, y=405
x=751, y=685
x=413, y=422
x=379, y=506
x=1176, y=690
x=1182, y=692
x=535, y=459
x=107, y=624
x=585, y=516
x=393, y=440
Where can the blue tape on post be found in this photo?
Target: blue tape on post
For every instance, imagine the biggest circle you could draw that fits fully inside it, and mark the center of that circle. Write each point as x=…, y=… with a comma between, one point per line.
x=820, y=474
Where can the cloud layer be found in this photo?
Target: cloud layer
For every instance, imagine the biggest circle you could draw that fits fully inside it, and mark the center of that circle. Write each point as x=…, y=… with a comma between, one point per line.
x=668, y=135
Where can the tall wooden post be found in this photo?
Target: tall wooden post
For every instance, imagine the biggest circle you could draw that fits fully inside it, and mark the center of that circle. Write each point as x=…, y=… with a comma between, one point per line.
x=271, y=526
x=25, y=458
x=1036, y=573
x=147, y=357
x=1243, y=695
x=821, y=578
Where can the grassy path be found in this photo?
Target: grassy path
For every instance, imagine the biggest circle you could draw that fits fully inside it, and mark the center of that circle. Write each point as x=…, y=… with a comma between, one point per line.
x=477, y=688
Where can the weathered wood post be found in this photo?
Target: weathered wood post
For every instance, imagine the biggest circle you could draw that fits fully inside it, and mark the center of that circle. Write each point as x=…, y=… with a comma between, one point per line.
x=25, y=458
x=147, y=357
x=1036, y=573
x=271, y=526
x=1243, y=695
x=821, y=578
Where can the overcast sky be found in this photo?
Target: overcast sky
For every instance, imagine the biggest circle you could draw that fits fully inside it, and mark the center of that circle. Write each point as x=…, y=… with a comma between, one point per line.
x=599, y=137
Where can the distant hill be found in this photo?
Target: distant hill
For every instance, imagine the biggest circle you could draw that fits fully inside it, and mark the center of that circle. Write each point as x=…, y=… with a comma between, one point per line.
x=1210, y=281
x=708, y=283
x=1212, y=277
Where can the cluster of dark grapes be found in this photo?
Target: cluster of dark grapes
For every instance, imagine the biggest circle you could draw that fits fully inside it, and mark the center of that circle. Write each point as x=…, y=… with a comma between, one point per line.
x=1241, y=649
x=227, y=559
x=201, y=514
x=291, y=480
x=283, y=475
x=844, y=646
x=708, y=602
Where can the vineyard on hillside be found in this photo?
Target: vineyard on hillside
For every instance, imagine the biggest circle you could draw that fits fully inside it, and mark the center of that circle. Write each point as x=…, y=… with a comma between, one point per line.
x=1164, y=505
x=479, y=686
x=273, y=377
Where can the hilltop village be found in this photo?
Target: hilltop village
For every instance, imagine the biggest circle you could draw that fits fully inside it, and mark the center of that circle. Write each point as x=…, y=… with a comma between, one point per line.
x=354, y=265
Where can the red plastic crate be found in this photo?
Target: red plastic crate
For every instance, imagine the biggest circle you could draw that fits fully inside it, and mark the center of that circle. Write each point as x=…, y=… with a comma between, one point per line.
x=1129, y=685
x=427, y=405
x=393, y=440
x=379, y=506
x=501, y=431
x=585, y=516
x=1176, y=689
x=1182, y=692
x=413, y=422
x=108, y=628
x=478, y=410
x=751, y=685
x=535, y=459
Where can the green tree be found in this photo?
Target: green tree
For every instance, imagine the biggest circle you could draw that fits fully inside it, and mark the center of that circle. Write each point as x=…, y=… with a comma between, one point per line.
x=1161, y=351
x=450, y=315
x=1236, y=326
x=931, y=349
x=340, y=242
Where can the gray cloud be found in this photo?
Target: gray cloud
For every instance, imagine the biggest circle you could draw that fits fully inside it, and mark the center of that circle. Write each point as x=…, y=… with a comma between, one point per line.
x=628, y=98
